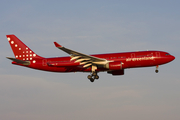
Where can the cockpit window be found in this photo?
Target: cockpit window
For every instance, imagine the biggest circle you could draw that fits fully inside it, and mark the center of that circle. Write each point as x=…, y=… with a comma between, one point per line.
x=167, y=54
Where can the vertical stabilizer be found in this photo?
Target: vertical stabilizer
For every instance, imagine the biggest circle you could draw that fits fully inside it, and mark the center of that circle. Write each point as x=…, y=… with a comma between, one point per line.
x=21, y=51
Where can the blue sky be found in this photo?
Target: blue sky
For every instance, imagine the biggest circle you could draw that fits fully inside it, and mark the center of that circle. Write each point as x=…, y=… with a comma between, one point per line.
x=90, y=27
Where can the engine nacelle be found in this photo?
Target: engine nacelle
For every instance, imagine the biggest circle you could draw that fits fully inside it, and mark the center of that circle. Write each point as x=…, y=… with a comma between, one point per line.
x=116, y=72
x=114, y=65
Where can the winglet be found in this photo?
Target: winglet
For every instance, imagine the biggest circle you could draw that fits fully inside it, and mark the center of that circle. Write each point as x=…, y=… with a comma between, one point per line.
x=57, y=45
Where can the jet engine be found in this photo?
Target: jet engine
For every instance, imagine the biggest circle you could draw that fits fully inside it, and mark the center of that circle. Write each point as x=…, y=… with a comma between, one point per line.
x=117, y=65
x=116, y=72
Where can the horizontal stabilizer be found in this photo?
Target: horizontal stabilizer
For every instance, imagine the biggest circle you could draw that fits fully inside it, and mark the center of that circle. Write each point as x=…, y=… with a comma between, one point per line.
x=19, y=61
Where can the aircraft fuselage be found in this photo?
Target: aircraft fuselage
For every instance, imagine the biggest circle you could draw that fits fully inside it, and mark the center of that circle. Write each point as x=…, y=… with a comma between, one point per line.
x=129, y=60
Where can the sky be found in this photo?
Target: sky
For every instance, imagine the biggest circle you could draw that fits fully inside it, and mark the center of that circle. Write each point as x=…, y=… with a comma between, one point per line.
x=90, y=27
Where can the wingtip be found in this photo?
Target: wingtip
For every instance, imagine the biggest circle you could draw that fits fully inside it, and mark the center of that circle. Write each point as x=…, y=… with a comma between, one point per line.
x=57, y=45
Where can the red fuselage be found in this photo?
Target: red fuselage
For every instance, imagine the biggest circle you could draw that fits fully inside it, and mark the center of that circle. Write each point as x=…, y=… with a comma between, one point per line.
x=129, y=60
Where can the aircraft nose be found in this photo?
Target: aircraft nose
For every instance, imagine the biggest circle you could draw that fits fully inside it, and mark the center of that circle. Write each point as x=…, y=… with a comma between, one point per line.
x=172, y=57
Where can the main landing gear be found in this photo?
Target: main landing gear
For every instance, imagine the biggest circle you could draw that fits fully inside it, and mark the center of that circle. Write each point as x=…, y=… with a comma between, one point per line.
x=157, y=69
x=93, y=76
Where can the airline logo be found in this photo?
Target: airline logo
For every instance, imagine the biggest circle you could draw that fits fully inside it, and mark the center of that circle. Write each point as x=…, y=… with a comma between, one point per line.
x=139, y=59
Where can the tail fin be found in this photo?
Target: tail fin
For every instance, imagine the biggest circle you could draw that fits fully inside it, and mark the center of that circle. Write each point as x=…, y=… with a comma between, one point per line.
x=21, y=51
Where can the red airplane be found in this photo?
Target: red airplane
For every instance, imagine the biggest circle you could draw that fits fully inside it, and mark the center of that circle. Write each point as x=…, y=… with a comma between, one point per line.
x=113, y=63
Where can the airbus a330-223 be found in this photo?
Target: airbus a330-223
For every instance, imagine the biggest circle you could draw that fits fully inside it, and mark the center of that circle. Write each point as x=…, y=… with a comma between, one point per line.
x=112, y=63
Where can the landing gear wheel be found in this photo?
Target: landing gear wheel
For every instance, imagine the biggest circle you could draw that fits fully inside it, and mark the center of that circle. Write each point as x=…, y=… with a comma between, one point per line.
x=96, y=77
x=92, y=80
x=89, y=77
x=156, y=71
x=93, y=76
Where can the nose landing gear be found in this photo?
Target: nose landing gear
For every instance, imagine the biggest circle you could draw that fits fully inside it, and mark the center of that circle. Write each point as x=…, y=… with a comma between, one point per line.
x=157, y=69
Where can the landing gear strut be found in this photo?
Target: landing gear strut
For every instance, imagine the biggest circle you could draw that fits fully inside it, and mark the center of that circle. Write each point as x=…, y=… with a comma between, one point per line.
x=157, y=69
x=93, y=76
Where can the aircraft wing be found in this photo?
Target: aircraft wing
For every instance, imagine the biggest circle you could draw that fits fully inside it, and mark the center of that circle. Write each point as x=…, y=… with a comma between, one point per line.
x=84, y=59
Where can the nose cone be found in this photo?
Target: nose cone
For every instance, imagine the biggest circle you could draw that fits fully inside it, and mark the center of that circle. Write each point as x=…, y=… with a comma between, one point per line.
x=172, y=57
